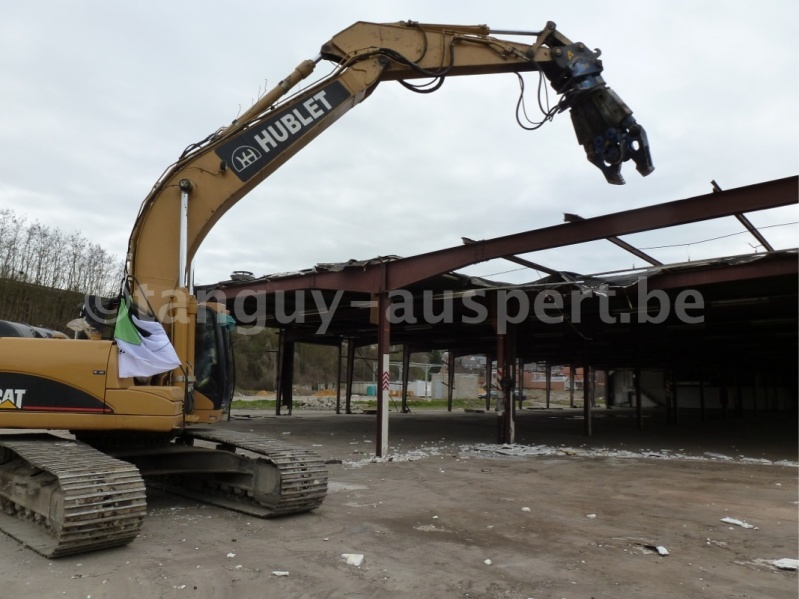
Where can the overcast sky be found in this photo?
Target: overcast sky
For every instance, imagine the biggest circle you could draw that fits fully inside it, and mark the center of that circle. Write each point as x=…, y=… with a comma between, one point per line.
x=98, y=98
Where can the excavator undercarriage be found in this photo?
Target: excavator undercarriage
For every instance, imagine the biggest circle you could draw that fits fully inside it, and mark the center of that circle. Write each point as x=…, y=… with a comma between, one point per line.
x=60, y=496
x=239, y=471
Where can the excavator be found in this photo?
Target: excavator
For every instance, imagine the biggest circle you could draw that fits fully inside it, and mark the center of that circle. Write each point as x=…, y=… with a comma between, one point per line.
x=81, y=437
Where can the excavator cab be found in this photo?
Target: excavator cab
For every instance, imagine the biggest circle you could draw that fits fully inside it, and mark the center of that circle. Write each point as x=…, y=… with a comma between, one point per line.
x=213, y=352
x=213, y=349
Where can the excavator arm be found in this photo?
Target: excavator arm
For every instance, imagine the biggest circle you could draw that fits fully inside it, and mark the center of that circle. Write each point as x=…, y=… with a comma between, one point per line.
x=602, y=122
x=211, y=176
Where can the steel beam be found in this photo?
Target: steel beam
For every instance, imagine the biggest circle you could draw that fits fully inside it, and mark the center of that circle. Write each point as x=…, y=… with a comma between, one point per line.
x=571, y=218
x=403, y=272
x=761, y=196
x=520, y=261
x=748, y=224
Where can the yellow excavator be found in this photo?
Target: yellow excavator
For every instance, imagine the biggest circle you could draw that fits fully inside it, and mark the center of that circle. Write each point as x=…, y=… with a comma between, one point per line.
x=81, y=488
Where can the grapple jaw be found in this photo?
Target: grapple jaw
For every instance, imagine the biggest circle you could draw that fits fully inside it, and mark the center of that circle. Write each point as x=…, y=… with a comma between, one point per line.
x=610, y=135
x=603, y=123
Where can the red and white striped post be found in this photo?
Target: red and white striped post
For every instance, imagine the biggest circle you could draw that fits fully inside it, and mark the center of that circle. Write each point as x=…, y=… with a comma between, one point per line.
x=384, y=376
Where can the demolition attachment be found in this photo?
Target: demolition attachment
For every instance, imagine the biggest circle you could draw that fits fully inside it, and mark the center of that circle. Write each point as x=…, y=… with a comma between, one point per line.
x=602, y=121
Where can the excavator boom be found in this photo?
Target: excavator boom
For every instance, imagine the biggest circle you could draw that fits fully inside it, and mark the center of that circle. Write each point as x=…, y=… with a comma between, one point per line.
x=217, y=172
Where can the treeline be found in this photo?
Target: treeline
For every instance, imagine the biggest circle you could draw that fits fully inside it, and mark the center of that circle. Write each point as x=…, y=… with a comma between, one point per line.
x=38, y=255
x=39, y=306
x=45, y=273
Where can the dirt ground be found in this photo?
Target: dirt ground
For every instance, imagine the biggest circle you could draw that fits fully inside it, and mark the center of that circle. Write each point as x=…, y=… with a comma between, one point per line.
x=451, y=514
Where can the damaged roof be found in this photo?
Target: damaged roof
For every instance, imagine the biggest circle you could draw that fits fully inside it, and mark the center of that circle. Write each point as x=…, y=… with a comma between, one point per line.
x=715, y=313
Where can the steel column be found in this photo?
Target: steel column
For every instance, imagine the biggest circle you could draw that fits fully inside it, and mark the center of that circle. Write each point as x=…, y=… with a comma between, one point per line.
x=571, y=385
x=505, y=361
x=450, y=378
x=383, y=379
x=488, y=381
x=587, y=412
x=338, y=375
x=281, y=352
x=406, y=367
x=639, y=410
x=350, y=375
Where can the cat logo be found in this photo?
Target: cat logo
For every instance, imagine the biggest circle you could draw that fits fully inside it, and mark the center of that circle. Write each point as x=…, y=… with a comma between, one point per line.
x=11, y=399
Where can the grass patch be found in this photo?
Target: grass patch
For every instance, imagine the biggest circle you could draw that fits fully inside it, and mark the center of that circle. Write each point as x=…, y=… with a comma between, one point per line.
x=441, y=404
x=371, y=404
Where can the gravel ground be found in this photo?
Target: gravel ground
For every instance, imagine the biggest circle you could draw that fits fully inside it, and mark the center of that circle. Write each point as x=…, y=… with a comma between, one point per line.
x=448, y=513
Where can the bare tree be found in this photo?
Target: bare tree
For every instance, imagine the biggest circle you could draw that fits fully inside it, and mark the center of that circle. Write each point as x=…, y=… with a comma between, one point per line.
x=38, y=255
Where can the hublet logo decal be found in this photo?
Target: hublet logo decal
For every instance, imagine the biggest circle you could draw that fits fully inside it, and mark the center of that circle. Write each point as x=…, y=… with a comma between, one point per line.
x=260, y=144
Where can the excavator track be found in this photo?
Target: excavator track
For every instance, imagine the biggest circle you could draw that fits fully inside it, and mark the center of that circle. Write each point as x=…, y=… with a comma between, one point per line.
x=60, y=497
x=284, y=479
